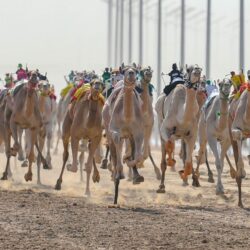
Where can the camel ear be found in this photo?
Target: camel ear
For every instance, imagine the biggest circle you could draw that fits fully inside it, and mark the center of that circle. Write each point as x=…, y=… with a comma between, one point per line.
x=92, y=82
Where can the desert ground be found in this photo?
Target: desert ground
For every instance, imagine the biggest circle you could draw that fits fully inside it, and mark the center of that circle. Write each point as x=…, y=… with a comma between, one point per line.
x=38, y=217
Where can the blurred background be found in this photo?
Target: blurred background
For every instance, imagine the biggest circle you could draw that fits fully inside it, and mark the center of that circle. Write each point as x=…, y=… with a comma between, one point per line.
x=57, y=36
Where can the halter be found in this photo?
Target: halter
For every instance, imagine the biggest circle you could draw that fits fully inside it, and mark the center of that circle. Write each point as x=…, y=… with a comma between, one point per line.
x=128, y=85
x=224, y=96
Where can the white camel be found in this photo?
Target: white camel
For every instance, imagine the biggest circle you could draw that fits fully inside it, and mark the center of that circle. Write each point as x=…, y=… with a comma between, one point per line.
x=178, y=119
x=213, y=128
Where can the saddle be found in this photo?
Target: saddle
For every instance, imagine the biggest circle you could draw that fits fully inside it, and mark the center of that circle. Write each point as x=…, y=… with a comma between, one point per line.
x=168, y=89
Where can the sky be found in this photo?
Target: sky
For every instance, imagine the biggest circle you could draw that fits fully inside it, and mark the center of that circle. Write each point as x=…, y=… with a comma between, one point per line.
x=56, y=36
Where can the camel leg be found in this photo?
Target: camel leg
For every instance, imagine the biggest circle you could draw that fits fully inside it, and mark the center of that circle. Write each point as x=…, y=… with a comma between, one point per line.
x=188, y=169
x=49, y=139
x=105, y=160
x=118, y=164
x=136, y=157
x=96, y=177
x=20, y=152
x=41, y=139
x=81, y=161
x=200, y=157
x=59, y=135
x=31, y=155
x=116, y=180
x=209, y=171
x=214, y=147
x=14, y=129
x=156, y=169
x=163, y=167
x=170, y=145
x=58, y=185
x=7, y=153
x=98, y=154
x=74, y=146
x=146, y=142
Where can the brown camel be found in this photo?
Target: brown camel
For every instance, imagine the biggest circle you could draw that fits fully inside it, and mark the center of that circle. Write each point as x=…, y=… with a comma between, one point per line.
x=122, y=116
x=25, y=114
x=148, y=115
x=86, y=123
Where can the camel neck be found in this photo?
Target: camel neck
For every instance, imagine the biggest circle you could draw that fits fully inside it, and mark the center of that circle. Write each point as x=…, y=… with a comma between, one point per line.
x=93, y=109
x=128, y=104
x=222, y=122
x=145, y=96
x=190, y=104
x=42, y=103
x=247, y=111
x=29, y=104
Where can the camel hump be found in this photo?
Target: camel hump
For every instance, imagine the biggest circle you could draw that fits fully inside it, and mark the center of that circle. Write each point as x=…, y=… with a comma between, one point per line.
x=18, y=87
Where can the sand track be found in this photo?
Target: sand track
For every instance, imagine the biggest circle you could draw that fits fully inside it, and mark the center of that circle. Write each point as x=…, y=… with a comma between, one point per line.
x=38, y=217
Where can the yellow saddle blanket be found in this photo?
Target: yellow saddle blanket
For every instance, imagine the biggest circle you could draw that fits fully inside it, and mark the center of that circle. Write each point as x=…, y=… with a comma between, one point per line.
x=83, y=90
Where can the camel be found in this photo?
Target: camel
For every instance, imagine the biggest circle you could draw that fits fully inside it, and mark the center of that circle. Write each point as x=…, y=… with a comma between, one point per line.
x=24, y=114
x=123, y=119
x=61, y=113
x=239, y=130
x=178, y=119
x=86, y=123
x=213, y=128
x=47, y=104
x=148, y=114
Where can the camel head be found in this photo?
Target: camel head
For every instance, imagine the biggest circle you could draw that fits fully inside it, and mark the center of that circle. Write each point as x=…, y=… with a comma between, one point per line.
x=44, y=87
x=146, y=74
x=33, y=81
x=195, y=74
x=96, y=88
x=225, y=88
x=129, y=77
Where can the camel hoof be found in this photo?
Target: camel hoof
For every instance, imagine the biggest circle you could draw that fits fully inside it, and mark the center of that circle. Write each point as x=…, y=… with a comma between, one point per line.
x=138, y=179
x=104, y=164
x=129, y=179
x=243, y=174
x=114, y=206
x=220, y=192
x=25, y=164
x=196, y=183
x=46, y=166
x=119, y=176
x=28, y=176
x=171, y=162
x=96, y=177
x=21, y=158
x=210, y=179
x=87, y=193
x=240, y=204
x=4, y=177
x=161, y=189
x=70, y=168
x=58, y=185
x=185, y=182
x=110, y=167
x=181, y=173
x=13, y=152
x=172, y=169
